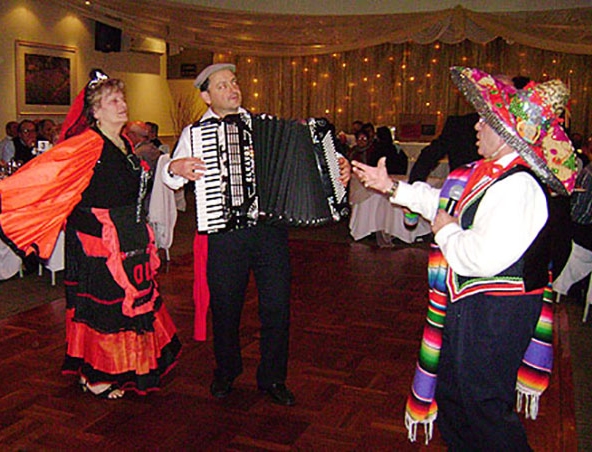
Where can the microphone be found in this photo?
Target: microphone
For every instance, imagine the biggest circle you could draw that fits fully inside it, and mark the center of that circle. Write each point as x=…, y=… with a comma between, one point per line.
x=454, y=196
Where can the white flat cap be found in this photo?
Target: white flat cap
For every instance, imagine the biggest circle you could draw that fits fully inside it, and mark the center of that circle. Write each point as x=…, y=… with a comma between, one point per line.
x=209, y=70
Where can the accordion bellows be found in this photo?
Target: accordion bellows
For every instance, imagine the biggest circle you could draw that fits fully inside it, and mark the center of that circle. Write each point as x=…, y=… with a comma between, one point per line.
x=263, y=168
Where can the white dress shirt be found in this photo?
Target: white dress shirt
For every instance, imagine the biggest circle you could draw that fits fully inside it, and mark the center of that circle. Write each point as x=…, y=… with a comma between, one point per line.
x=183, y=150
x=7, y=149
x=508, y=219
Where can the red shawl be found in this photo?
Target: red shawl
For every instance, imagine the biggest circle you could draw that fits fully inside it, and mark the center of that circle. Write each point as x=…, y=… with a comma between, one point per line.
x=36, y=200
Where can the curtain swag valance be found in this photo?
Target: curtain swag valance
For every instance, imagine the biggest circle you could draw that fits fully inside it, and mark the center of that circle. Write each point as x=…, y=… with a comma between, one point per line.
x=262, y=34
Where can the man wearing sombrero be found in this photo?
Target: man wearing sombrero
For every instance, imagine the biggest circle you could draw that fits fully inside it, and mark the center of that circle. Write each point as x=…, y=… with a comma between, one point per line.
x=488, y=334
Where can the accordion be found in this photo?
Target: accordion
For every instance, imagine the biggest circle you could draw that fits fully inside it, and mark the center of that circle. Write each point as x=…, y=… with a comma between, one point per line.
x=263, y=168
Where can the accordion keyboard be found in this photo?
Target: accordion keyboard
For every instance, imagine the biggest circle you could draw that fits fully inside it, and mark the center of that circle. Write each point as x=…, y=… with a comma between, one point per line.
x=208, y=197
x=333, y=164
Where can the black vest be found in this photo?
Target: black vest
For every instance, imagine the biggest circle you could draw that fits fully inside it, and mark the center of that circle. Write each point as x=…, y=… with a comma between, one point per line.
x=533, y=265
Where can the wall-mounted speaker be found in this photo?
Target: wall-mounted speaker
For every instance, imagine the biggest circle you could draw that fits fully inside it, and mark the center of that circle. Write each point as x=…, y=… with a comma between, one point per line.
x=107, y=38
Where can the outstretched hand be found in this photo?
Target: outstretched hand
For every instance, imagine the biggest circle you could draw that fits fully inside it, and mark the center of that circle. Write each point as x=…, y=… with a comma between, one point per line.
x=376, y=178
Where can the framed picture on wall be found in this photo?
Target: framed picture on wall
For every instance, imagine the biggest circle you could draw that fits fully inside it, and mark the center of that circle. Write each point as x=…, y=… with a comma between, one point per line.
x=45, y=78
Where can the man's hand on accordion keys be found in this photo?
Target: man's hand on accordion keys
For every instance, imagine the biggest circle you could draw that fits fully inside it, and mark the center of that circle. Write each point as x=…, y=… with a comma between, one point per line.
x=344, y=171
x=191, y=168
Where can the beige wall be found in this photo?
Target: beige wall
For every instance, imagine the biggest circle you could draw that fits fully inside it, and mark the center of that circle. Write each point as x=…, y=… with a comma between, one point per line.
x=148, y=93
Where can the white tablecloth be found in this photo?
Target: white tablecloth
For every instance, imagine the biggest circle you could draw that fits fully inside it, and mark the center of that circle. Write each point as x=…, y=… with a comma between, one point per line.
x=56, y=261
x=413, y=148
x=10, y=263
x=372, y=212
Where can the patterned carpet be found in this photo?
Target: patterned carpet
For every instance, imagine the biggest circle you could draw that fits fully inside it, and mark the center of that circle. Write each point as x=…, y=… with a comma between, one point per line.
x=18, y=295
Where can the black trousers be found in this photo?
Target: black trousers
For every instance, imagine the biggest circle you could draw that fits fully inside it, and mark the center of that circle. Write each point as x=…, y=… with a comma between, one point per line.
x=232, y=256
x=483, y=344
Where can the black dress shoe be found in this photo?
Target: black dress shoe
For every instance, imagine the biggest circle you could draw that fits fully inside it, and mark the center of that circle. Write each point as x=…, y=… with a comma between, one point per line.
x=220, y=387
x=280, y=394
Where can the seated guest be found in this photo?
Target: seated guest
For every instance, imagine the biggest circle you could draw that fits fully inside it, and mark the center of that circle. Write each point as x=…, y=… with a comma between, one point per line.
x=153, y=134
x=349, y=139
x=138, y=133
x=356, y=125
x=371, y=131
x=11, y=132
x=46, y=130
x=46, y=135
x=25, y=142
x=363, y=147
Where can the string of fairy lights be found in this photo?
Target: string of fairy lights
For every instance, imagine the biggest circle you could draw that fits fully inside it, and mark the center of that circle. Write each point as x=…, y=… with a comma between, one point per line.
x=381, y=83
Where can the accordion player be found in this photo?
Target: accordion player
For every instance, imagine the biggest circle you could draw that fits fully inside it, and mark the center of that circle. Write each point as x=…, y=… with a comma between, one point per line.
x=260, y=167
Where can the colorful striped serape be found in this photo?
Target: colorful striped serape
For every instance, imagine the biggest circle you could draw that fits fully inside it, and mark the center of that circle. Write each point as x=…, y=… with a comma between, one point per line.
x=534, y=373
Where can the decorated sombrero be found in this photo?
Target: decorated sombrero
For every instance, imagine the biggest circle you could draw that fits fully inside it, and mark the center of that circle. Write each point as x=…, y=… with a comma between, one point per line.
x=528, y=119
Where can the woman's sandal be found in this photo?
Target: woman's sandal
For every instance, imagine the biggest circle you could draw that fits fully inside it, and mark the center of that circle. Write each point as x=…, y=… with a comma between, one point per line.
x=111, y=392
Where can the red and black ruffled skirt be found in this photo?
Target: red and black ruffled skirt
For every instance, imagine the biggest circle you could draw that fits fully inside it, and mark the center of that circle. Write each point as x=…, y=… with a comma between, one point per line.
x=118, y=330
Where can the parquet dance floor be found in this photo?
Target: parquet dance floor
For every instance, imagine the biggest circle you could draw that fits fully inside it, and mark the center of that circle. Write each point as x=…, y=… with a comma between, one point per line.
x=357, y=317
